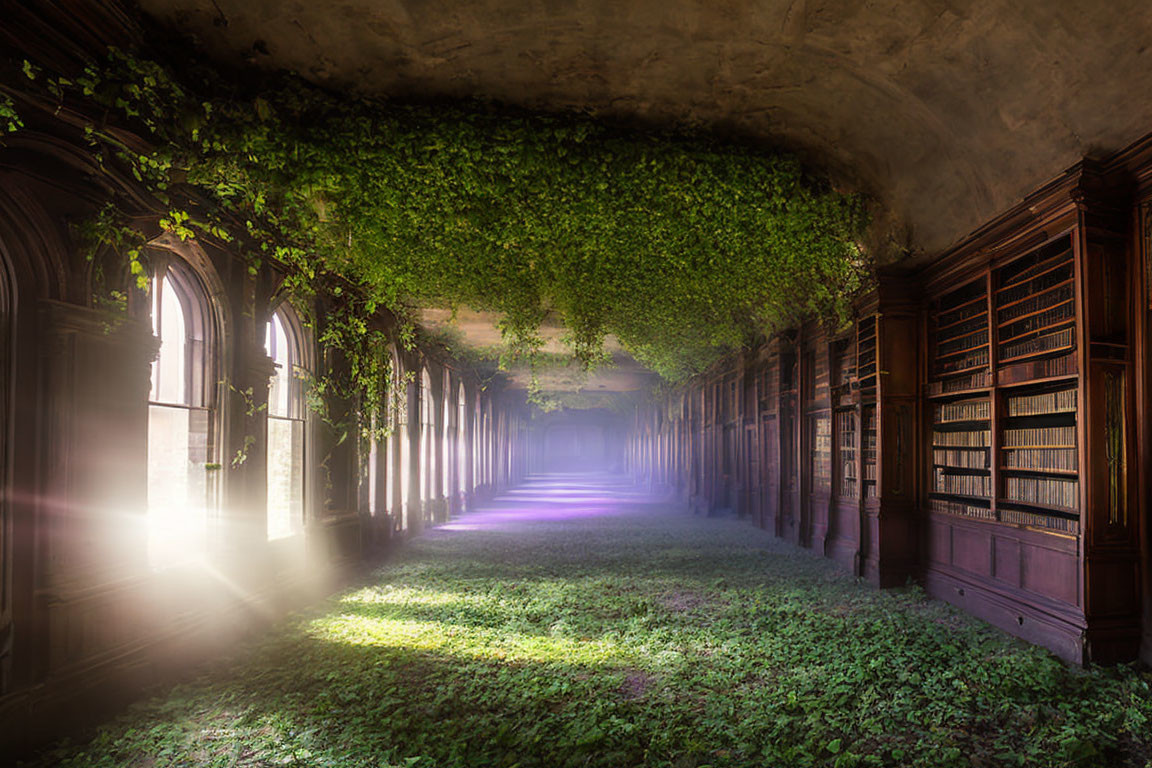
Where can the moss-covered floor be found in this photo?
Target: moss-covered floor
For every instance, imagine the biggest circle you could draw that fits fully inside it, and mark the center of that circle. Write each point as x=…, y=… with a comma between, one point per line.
x=576, y=623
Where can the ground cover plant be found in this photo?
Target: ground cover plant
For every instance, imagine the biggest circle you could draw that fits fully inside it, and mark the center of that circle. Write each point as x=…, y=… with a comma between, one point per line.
x=631, y=634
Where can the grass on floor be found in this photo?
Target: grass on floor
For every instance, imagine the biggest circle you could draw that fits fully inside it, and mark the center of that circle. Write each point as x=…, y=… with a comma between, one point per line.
x=652, y=639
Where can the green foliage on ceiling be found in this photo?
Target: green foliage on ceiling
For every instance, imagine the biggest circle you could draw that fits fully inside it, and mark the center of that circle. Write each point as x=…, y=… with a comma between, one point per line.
x=683, y=247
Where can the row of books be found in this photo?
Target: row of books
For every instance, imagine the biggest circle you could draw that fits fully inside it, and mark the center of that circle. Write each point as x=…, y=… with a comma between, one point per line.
x=1033, y=264
x=962, y=410
x=1035, y=304
x=965, y=485
x=819, y=381
x=972, y=309
x=1043, y=368
x=975, y=438
x=961, y=343
x=822, y=450
x=846, y=430
x=974, y=380
x=1034, y=286
x=949, y=507
x=962, y=459
x=1014, y=516
x=866, y=348
x=1040, y=520
x=1049, y=491
x=1045, y=342
x=973, y=359
x=1063, y=401
x=974, y=318
x=1057, y=314
x=1037, y=437
x=1040, y=459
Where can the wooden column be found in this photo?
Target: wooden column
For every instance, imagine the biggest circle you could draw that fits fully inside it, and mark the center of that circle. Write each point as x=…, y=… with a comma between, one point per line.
x=415, y=511
x=889, y=531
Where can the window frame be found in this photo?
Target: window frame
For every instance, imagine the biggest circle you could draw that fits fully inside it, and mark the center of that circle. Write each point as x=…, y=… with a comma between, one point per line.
x=202, y=365
x=299, y=363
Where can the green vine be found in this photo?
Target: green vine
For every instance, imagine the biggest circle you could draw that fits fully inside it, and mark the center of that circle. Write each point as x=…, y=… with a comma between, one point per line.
x=681, y=246
x=10, y=121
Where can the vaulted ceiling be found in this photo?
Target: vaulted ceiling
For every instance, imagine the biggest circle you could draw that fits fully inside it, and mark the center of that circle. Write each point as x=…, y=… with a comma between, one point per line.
x=946, y=112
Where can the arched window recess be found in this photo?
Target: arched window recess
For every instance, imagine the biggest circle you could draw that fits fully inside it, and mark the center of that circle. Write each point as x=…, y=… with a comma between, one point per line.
x=285, y=343
x=181, y=427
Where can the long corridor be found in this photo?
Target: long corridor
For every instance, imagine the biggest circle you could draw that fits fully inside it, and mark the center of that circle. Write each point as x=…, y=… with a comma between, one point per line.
x=577, y=621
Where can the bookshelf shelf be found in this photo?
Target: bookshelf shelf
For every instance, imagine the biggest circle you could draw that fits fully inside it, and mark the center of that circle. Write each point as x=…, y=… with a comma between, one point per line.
x=962, y=496
x=1061, y=472
x=981, y=345
x=956, y=425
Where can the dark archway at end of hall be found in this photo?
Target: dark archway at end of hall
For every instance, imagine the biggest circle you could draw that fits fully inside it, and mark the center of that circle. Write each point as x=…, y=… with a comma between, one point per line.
x=578, y=441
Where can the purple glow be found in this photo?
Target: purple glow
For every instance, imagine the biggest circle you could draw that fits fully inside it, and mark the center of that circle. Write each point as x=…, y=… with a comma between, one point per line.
x=552, y=498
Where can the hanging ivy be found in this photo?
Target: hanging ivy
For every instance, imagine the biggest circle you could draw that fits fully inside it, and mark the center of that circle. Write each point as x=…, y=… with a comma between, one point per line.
x=683, y=247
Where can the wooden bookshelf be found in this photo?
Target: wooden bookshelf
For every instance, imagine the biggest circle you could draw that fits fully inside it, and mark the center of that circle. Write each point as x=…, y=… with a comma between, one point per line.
x=1004, y=448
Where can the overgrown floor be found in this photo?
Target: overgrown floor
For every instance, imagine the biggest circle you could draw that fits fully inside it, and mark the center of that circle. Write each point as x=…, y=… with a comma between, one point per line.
x=577, y=623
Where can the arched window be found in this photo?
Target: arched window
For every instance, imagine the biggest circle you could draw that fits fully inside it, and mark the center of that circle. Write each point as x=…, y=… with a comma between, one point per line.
x=179, y=416
x=444, y=437
x=378, y=470
x=477, y=446
x=286, y=466
x=393, y=401
x=404, y=441
x=373, y=474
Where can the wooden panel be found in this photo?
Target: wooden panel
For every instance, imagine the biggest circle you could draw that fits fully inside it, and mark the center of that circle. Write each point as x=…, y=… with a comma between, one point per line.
x=972, y=551
x=939, y=541
x=1006, y=560
x=1050, y=573
x=843, y=532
